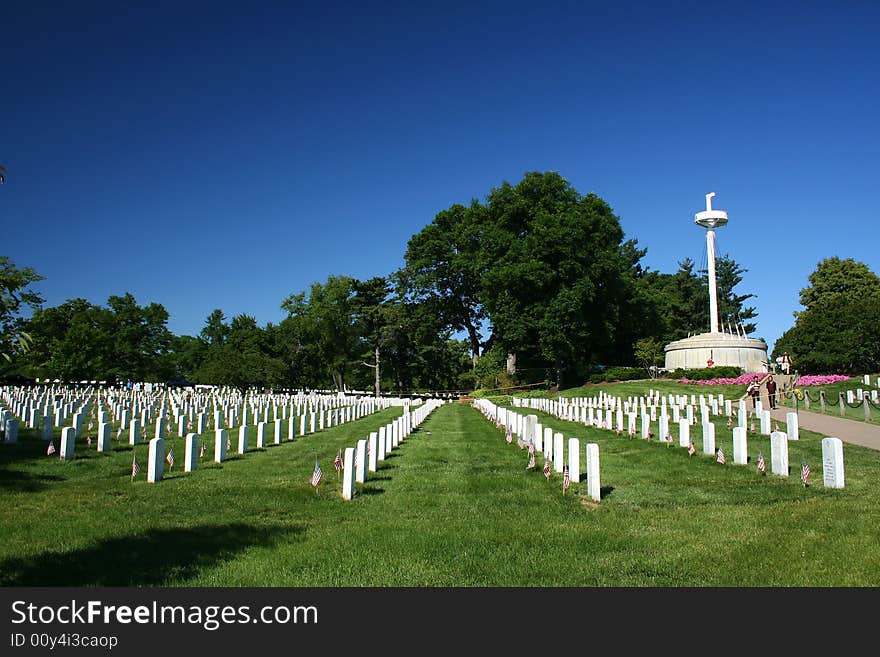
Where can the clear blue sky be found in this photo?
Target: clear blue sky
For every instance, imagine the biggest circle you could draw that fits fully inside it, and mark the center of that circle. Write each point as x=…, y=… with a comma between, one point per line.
x=206, y=157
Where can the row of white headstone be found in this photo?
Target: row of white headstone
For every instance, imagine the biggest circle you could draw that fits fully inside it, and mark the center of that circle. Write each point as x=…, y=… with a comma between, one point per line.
x=832, y=447
x=552, y=445
x=362, y=459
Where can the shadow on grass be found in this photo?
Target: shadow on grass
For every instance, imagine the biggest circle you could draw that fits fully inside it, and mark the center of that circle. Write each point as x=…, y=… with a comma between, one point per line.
x=372, y=490
x=15, y=481
x=605, y=491
x=157, y=557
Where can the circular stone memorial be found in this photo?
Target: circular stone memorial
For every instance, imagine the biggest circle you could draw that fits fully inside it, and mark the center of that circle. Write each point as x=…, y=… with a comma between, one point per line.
x=715, y=347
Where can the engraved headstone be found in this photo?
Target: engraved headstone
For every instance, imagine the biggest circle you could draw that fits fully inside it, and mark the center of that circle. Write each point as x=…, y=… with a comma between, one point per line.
x=832, y=463
x=779, y=453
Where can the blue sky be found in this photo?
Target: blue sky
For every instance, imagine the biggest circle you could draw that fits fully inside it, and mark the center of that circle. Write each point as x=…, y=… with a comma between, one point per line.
x=204, y=156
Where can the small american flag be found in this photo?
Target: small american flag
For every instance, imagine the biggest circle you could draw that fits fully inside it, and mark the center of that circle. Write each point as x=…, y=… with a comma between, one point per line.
x=548, y=471
x=531, y=464
x=170, y=459
x=566, y=479
x=89, y=442
x=118, y=433
x=531, y=447
x=91, y=426
x=720, y=457
x=202, y=451
x=762, y=467
x=752, y=426
x=520, y=442
x=775, y=427
x=691, y=449
x=135, y=468
x=337, y=462
x=729, y=422
x=51, y=449
x=805, y=472
x=509, y=435
x=317, y=475
x=228, y=444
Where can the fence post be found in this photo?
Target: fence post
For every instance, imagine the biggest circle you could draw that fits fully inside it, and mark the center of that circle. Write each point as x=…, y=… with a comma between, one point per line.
x=822, y=400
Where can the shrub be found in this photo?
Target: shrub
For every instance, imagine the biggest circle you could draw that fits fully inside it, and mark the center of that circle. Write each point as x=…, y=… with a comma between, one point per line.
x=619, y=374
x=720, y=372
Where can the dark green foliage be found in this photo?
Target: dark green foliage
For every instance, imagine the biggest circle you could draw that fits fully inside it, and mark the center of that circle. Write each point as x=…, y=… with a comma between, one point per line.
x=839, y=331
x=618, y=374
x=706, y=373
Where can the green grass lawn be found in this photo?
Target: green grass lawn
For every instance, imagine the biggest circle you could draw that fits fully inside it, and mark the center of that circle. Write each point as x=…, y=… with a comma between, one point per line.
x=452, y=506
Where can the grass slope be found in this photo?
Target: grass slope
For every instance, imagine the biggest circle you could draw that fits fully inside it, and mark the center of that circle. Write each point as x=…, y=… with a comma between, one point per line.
x=452, y=506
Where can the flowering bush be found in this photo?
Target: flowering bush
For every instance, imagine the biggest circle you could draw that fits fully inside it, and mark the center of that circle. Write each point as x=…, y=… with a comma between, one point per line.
x=821, y=379
x=741, y=380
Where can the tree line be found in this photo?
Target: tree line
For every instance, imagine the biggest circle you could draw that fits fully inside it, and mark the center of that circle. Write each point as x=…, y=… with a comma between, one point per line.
x=535, y=283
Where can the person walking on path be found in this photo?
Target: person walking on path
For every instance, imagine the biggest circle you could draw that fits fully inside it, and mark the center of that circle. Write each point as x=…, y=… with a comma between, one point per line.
x=754, y=391
x=771, y=391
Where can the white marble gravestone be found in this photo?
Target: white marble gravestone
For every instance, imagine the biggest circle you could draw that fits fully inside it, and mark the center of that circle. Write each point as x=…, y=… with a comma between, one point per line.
x=684, y=432
x=261, y=435
x=134, y=432
x=68, y=440
x=779, y=453
x=361, y=466
x=574, y=460
x=11, y=430
x=243, y=439
x=47, y=427
x=371, y=457
x=548, y=443
x=740, y=446
x=594, y=489
x=348, y=474
x=191, y=453
x=832, y=463
x=791, y=426
x=104, y=430
x=219, y=445
x=765, y=418
x=279, y=429
x=558, y=454
x=156, y=460
x=709, y=438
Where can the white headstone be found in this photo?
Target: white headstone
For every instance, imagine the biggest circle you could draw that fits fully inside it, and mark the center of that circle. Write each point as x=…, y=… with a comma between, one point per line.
x=361, y=467
x=243, y=439
x=574, y=460
x=348, y=474
x=104, y=430
x=539, y=437
x=47, y=427
x=684, y=433
x=709, y=438
x=11, y=430
x=594, y=489
x=371, y=457
x=765, y=422
x=740, y=446
x=779, y=453
x=791, y=426
x=134, y=432
x=832, y=463
x=156, y=460
x=261, y=435
x=558, y=453
x=548, y=443
x=68, y=438
x=219, y=445
x=191, y=453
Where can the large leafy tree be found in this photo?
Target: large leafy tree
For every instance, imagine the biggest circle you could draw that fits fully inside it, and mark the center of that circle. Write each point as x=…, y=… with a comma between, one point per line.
x=559, y=277
x=839, y=330
x=15, y=295
x=444, y=265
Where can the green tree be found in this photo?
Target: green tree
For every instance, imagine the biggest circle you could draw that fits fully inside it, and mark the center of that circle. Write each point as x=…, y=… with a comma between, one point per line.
x=443, y=271
x=650, y=354
x=731, y=308
x=839, y=331
x=372, y=313
x=14, y=295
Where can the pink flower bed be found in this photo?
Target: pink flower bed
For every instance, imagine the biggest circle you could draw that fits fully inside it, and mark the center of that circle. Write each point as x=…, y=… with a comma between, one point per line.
x=821, y=379
x=741, y=380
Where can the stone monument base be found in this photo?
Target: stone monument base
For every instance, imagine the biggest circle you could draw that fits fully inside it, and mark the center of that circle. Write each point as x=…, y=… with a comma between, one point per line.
x=696, y=351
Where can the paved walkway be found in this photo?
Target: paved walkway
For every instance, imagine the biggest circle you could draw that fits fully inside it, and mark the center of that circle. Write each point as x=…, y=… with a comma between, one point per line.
x=849, y=431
